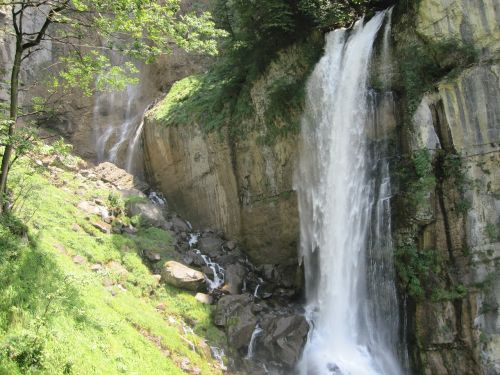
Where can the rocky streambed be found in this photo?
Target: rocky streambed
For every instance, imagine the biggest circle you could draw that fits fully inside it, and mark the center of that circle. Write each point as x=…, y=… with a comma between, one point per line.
x=257, y=306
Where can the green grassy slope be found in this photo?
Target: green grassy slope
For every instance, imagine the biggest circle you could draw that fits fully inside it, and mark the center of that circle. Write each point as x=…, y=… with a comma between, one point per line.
x=61, y=317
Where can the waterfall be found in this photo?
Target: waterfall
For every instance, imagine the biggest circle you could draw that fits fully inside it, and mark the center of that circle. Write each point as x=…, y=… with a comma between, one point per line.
x=118, y=119
x=344, y=188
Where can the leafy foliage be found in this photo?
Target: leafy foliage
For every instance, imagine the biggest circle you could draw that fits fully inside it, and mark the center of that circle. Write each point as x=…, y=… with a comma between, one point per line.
x=415, y=268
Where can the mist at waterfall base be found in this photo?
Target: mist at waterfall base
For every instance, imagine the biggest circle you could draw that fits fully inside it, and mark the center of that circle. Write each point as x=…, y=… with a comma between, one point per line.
x=343, y=186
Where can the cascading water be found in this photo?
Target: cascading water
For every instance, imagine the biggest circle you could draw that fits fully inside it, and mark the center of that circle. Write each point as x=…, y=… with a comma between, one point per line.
x=118, y=123
x=344, y=188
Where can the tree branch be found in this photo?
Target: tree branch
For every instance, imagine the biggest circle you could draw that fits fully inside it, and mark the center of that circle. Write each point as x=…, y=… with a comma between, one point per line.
x=45, y=26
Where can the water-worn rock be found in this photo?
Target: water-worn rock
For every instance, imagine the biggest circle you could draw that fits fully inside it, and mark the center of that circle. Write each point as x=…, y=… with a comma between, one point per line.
x=179, y=225
x=212, y=246
x=234, y=276
x=283, y=339
x=181, y=276
x=235, y=313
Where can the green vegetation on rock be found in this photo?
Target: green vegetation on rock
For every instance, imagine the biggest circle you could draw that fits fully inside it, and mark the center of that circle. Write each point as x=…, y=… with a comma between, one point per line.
x=265, y=37
x=423, y=64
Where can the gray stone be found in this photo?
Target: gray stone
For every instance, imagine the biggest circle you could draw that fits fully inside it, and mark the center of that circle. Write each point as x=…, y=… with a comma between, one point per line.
x=149, y=213
x=283, y=338
x=181, y=276
x=96, y=267
x=179, y=225
x=230, y=245
x=152, y=256
x=204, y=298
x=79, y=259
x=227, y=305
x=103, y=227
x=234, y=276
x=210, y=246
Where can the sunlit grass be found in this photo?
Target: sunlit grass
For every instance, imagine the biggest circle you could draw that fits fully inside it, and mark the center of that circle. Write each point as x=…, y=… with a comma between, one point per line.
x=58, y=317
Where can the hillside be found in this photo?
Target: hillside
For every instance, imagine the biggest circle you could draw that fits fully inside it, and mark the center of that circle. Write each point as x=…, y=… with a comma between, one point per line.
x=75, y=300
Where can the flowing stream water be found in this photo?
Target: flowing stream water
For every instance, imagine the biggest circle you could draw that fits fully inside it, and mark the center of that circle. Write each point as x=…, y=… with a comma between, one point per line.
x=344, y=191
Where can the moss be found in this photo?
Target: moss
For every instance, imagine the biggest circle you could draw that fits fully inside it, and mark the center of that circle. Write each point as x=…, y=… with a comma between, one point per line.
x=492, y=231
x=456, y=293
x=417, y=179
x=415, y=268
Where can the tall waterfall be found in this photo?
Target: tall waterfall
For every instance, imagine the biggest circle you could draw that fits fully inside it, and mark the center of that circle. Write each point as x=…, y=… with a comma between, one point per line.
x=344, y=188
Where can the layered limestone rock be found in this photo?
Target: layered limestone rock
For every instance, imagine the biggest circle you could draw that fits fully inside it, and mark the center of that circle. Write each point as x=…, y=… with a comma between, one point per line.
x=242, y=186
x=460, y=123
x=456, y=327
x=473, y=21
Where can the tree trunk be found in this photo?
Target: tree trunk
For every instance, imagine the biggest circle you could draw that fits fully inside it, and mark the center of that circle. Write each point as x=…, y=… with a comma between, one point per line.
x=14, y=98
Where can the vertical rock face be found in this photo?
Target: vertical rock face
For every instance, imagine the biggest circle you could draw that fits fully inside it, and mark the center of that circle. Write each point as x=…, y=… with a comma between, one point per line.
x=455, y=328
x=243, y=188
x=473, y=21
x=241, y=185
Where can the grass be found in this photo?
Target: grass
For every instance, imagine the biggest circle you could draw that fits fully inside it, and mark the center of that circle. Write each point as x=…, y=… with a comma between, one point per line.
x=58, y=317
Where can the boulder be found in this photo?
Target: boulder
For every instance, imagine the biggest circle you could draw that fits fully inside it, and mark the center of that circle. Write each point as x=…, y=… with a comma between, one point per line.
x=227, y=305
x=234, y=276
x=230, y=245
x=152, y=256
x=181, y=276
x=150, y=214
x=212, y=246
x=236, y=314
x=103, y=227
x=283, y=339
x=79, y=259
x=204, y=298
x=96, y=267
x=118, y=270
x=88, y=207
x=179, y=225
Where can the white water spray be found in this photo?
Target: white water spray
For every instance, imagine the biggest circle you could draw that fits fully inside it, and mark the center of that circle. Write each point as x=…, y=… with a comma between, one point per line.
x=251, y=346
x=217, y=271
x=344, y=188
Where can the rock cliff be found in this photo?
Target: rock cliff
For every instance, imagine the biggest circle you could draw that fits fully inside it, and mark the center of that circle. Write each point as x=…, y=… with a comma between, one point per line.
x=454, y=327
x=245, y=186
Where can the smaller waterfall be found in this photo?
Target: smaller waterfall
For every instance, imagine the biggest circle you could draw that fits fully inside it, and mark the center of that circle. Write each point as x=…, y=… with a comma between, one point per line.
x=218, y=272
x=251, y=346
x=118, y=120
x=218, y=354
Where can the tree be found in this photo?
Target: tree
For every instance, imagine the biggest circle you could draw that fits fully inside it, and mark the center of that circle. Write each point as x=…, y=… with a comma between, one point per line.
x=140, y=29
